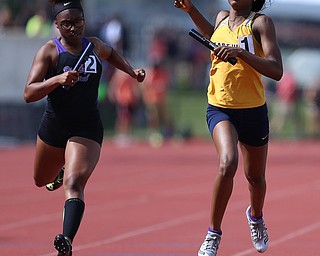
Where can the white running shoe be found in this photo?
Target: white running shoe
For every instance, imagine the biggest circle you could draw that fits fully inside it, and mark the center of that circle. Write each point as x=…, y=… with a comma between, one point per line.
x=259, y=234
x=210, y=245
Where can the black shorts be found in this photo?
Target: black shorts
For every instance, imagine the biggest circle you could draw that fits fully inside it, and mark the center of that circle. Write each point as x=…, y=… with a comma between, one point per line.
x=252, y=124
x=56, y=130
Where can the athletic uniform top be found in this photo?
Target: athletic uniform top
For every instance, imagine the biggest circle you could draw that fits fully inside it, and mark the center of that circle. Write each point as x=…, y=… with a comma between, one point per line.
x=77, y=103
x=235, y=86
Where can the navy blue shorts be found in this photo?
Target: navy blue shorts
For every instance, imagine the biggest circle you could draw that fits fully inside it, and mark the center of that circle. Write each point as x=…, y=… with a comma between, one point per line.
x=251, y=124
x=56, y=131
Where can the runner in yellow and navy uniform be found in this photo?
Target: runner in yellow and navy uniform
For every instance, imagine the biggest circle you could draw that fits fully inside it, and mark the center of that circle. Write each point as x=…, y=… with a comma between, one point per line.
x=237, y=113
x=223, y=76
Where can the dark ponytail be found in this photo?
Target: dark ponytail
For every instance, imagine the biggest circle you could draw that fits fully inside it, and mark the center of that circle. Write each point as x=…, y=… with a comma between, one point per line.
x=258, y=5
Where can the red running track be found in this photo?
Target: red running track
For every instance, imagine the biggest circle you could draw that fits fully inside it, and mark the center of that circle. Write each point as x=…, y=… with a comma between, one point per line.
x=155, y=201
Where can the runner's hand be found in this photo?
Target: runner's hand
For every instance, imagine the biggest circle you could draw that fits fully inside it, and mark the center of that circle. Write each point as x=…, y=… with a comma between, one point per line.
x=184, y=5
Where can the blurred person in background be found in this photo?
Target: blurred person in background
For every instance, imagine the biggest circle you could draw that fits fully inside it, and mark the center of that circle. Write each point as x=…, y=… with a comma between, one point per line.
x=71, y=132
x=154, y=91
x=6, y=19
x=124, y=93
x=237, y=113
x=114, y=32
x=286, y=98
x=158, y=48
x=312, y=98
x=39, y=25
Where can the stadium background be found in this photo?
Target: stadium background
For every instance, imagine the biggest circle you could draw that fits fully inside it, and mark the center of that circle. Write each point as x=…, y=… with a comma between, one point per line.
x=298, y=33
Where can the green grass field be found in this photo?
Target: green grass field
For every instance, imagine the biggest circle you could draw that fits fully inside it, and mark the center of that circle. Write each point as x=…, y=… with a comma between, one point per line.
x=187, y=110
x=186, y=113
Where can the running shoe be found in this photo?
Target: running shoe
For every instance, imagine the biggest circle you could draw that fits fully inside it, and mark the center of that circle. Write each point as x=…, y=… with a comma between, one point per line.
x=259, y=234
x=63, y=245
x=58, y=181
x=210, y=245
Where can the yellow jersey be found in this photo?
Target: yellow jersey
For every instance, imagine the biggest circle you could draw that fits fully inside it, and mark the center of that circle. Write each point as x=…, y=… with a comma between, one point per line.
x=239, y=85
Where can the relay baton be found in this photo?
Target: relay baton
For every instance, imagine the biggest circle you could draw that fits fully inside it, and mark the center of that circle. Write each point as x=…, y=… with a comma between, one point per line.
x=84, y=56
x=206, y=42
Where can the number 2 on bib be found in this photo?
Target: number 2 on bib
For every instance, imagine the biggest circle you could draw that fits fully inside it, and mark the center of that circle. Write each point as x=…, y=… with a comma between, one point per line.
x=91, y=65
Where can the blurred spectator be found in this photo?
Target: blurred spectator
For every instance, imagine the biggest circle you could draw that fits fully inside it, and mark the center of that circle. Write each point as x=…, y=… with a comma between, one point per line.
x=154, y=91
x=286, y=97
x=124, y=93
x=39, y=25
x=114, y=33
x=312, y=97
x=158, y=48
x=200, y=59
x=6, y=18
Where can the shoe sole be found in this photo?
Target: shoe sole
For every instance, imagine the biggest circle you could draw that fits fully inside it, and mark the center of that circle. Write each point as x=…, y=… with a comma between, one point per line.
x=54, y=186
x=62, y=245
x=57, y=183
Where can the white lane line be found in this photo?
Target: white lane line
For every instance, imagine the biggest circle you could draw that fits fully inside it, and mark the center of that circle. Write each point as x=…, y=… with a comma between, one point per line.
x=272, y=196
x=275, y=195
x=141, y=231
x=46, y=218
